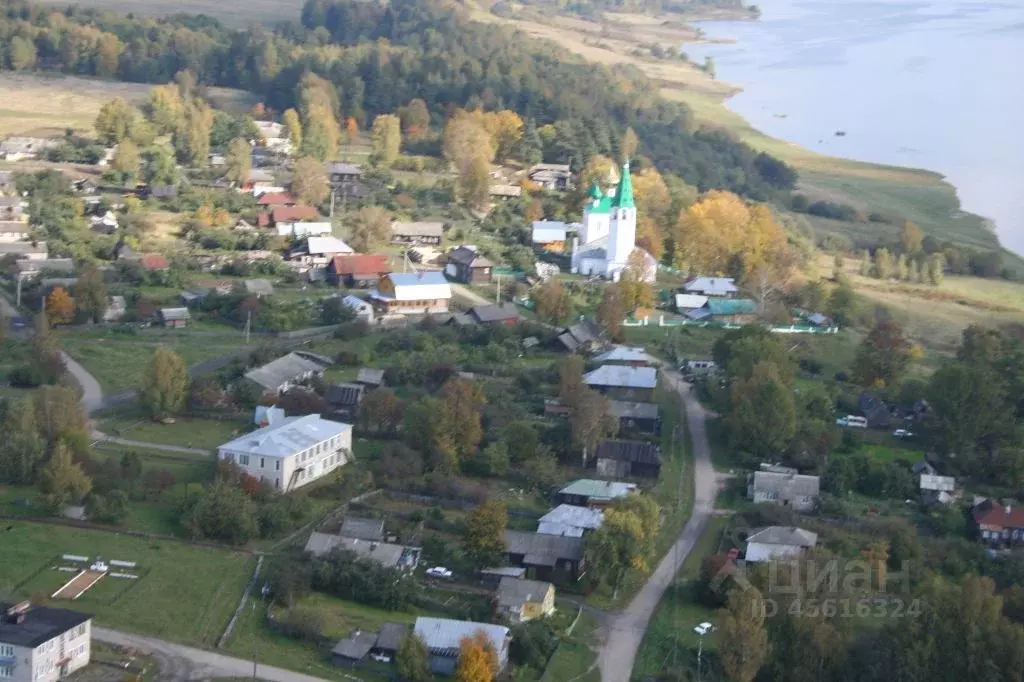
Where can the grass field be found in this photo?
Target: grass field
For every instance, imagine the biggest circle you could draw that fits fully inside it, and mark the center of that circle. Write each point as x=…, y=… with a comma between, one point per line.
x=118, y=361
x=575, y=658
x=233, y=14
x=185, y=431
x=48, y=104
x=187, y=595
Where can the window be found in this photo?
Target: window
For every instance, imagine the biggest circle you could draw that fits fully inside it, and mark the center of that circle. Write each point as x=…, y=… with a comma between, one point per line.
x=243, y=460
x=277, y=483
x=277, y=465
x=6, y=650
x=263, y=462
x=6, y=671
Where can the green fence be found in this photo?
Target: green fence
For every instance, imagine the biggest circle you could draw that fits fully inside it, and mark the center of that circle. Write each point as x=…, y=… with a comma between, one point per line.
x=712, y=324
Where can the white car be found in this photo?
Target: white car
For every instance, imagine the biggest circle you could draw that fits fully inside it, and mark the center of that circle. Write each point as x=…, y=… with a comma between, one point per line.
x=439, y=572
x=841, y=421
x=381, y=658
x=704, y=628
x=902, y=433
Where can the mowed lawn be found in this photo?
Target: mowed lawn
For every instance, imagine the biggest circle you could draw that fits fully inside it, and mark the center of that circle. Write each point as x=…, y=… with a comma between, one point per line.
x=119, y=361
x=187, y=594
x=205, y=434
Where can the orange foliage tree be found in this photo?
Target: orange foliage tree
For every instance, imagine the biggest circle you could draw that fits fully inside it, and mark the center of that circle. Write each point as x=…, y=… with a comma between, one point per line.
x=60, y=308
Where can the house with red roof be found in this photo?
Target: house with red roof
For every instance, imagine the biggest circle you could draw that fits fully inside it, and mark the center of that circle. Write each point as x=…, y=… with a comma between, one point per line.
x=286, y=214
x=276, y=199
x=357, y=270
x=154, y=261
x=999, y=524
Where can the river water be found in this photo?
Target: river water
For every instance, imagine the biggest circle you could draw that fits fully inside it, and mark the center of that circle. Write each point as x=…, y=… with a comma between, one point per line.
x=934, y=84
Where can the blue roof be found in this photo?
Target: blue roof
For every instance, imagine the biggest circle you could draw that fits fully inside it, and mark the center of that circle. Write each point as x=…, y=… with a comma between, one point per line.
x=411, y=279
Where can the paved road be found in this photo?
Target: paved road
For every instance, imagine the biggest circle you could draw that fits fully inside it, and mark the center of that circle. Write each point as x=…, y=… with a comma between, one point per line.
x=626, y=630
x=92, y=394
x=182, y=663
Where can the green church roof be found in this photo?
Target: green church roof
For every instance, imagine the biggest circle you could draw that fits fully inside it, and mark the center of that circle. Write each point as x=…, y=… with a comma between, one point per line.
x=624, y=192
x=595, y=192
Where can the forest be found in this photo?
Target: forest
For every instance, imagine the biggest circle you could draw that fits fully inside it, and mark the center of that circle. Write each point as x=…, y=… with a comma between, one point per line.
x=379, y=57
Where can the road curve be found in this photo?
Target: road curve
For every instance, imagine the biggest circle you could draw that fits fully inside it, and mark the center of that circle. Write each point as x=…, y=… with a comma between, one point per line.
x=92, y=394
x=180, y=663
x=626, y=630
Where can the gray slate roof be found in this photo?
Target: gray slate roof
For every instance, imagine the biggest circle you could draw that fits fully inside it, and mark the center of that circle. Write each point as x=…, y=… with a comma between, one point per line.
x=370, y=377
x=495, y=313
x=384, y=553
x=363, y=529
x=356, y=646
x=543, y=550
x=786, y=485
x=515, y=593
x=627, y=410
x=629, y=451
x=784, y=535
x=260, y=287
x=282, y=370
x=175, y=314
x=713, y=286
x=391, y=636
x=421, y=229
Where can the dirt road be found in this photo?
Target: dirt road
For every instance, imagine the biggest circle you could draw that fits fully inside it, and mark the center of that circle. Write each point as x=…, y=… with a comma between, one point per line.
x=626, y=630
x=182, y=663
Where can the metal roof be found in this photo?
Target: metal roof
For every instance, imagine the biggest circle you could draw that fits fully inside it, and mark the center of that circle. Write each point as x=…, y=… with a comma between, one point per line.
x=619, y=376
x=570, y=520
x=731, y=306
x=175, y=314
x=327, y=245
x=282, y=370
x=288, y=437
x=938, y=483
x=470, y=257
x=784, y=535
x=510, y=571
x=340, y=168
x=602, y=490
x=628, y=410
x=690, y=301
x=443, y=635
x=391, y=636
x=417, y=286
x=548, y=231
x=624, y=354
x=713, y=286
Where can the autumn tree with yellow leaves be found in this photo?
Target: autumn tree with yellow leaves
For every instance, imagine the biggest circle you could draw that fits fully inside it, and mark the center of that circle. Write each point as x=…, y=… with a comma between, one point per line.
x=470, y=148
x=626, y=540
x=723, y=235
x=478, y=661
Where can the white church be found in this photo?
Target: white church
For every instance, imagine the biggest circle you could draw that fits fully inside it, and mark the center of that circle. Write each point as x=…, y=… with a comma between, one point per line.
x=607, y=237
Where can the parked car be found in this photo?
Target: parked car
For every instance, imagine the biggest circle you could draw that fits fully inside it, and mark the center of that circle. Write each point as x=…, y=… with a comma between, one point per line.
x=439, y=572
x=734, y=553
x=841, y=422
x=902, y=433
x=381, y=658
x=704, y=628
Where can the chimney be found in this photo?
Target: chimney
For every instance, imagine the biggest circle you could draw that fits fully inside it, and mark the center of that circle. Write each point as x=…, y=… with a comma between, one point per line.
x=15, y=615
x=1008, y=509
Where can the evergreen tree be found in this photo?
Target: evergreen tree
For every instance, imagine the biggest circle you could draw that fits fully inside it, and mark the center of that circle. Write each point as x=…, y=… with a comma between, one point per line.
x=531, y=150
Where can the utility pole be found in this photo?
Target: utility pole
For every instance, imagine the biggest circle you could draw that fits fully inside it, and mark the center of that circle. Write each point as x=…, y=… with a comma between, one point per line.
x=332, y=203
x=497, y=296
x=248, y=326
x=700, y=650
x=17, y=300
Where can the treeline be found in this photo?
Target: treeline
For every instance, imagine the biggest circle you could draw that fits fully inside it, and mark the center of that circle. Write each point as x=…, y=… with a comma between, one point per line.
x=378, y=58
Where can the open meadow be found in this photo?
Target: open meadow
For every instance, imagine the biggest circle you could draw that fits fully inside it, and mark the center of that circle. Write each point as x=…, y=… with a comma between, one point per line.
x=187, y=593
x=49, y=104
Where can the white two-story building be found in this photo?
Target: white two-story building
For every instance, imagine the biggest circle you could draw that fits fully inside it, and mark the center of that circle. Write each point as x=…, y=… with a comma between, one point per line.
x=42, y=644
x=293, y=452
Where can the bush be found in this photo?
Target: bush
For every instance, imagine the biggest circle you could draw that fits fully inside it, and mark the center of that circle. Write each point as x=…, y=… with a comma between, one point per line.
x=345, y=575
x=301, y=623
